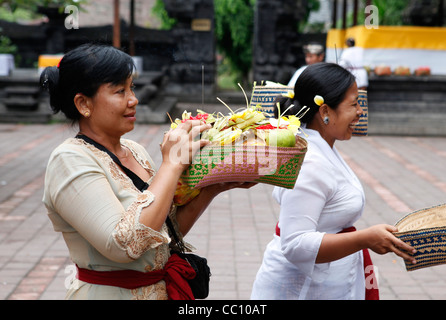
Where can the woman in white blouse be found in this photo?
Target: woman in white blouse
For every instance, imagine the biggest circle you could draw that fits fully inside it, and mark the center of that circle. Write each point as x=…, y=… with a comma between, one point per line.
x=315, y=254
x=116, y=233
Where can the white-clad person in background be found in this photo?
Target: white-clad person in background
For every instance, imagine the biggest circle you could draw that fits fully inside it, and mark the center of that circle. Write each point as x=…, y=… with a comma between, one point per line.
x=352, y=58
x=314, y=53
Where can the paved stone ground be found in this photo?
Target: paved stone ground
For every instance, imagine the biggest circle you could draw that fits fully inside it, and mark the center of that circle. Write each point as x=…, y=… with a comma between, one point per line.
x=399, y=174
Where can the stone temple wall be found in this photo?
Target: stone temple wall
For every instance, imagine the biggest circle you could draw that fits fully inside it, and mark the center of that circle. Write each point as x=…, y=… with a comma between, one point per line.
x=277, y=48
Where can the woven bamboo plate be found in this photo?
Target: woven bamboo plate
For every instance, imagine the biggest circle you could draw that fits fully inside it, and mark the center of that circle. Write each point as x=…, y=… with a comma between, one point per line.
x=239, y=163
x=425, y=230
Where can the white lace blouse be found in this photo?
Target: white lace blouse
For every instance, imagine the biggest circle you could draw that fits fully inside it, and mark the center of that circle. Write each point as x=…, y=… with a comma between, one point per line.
x=97, y=208
x=327, y=198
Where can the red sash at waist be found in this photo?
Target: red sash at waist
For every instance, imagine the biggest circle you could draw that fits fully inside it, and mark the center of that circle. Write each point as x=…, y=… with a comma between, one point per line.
x=176, y=272
x=371, y=291
x=371, y=287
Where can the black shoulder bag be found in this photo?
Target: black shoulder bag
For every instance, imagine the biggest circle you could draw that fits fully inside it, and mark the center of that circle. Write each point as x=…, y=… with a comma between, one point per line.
x=199, y=284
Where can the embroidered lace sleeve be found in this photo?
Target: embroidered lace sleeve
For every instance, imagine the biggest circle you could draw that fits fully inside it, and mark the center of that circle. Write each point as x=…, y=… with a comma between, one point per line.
x=134, y=237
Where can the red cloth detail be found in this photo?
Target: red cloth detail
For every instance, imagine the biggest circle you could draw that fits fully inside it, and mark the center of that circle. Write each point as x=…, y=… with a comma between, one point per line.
x=176, y=272
x=370, y=293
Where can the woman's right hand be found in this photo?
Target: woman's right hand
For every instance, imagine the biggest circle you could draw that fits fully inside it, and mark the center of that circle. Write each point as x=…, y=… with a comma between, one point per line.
x=179, y=145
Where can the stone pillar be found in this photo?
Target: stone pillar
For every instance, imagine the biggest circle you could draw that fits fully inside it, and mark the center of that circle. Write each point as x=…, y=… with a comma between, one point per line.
x=194, y=56
x=54, y=29
x=277, y=51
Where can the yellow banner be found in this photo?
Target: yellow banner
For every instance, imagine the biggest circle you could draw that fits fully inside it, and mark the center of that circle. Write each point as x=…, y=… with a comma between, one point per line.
x=390, y=37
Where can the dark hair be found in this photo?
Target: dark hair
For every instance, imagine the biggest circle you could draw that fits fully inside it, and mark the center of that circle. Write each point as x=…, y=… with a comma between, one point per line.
x=350, y=42
x=84, y=70
x=328, y=80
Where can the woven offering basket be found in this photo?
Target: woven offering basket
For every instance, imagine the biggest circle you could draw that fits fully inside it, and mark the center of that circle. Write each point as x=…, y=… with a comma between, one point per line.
x=264, y=96
x=425, y=230
x=361, y=129
x=240, y=163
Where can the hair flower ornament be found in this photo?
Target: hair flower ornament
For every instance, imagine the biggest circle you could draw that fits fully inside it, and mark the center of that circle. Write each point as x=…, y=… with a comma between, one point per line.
x=290, y=94
x=319, y=100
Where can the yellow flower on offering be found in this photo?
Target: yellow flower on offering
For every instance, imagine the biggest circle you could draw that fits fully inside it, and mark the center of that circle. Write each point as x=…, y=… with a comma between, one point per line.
x=290, y=94
x=319, y=100
x=293, y=120
x=226, y=136
x=294, y=124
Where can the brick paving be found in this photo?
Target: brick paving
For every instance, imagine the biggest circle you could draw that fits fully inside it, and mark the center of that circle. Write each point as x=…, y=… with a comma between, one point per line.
x=399, y=174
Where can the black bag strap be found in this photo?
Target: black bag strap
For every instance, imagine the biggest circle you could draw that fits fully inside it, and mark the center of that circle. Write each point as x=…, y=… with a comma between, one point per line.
x=137, y=181
x=178, y=241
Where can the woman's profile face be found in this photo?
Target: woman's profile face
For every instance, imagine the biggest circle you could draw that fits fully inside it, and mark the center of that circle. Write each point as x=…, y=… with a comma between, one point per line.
x=346, y=116
x=114, y=108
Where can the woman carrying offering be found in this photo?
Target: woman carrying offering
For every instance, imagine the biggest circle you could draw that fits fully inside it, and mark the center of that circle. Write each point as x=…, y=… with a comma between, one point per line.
x=316, y=252
x=115, y=232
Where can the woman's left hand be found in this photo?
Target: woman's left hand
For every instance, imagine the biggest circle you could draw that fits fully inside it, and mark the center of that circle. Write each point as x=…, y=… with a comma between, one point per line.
x=382, y=240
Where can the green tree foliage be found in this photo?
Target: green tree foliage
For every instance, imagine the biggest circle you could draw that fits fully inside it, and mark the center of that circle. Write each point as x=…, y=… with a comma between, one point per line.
x=6, y=46
x=311, y=5
x=390, y=13
x=234, y=29
x=160, y=12
x=234, y=24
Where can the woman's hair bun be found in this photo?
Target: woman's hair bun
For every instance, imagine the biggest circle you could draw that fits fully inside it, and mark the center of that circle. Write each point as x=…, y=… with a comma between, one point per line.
x=49, y=80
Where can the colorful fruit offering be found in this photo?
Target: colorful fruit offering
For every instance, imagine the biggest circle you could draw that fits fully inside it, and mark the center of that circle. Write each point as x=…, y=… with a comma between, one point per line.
x=248, y=126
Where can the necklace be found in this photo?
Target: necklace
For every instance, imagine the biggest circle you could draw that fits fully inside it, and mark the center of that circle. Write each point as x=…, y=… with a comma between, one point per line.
x=126, y=152
x=122, y=147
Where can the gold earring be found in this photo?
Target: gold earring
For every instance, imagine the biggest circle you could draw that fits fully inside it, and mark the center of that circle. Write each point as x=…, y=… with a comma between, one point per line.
x=87, y=114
